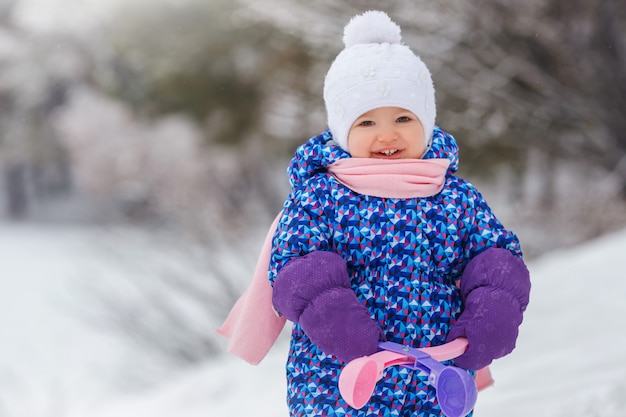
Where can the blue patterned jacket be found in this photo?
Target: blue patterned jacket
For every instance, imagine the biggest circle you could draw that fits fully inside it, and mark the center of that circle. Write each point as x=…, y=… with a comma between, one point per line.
x=404, y=256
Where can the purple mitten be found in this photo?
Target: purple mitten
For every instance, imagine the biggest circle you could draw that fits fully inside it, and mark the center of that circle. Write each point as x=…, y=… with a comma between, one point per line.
x=314, y=291
x=495, y=287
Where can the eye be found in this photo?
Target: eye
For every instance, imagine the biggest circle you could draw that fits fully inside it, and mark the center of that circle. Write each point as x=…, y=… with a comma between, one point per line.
x=403, y=119
x=366, y=123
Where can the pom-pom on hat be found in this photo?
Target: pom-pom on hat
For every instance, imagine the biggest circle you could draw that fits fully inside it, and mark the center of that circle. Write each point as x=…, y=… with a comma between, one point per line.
x=376, y=70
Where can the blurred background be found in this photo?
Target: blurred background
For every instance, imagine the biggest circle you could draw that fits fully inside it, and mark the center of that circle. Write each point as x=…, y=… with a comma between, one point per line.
x=183, y=114
x=167, y=125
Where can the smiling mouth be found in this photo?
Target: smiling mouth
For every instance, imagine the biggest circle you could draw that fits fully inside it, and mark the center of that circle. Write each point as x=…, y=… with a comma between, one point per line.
x=388, y=152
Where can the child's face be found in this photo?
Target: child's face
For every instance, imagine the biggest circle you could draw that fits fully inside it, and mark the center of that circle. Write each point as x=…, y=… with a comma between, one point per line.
x=387, y=133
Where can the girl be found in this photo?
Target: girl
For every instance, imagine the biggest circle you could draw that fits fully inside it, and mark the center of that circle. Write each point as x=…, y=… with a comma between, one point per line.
x=380, y=240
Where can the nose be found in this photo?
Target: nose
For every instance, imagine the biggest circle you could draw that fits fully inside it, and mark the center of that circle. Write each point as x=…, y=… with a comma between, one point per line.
x=387, y=133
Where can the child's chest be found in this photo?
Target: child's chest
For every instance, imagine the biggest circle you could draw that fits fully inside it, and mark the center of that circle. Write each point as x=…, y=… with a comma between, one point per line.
x=413, y=232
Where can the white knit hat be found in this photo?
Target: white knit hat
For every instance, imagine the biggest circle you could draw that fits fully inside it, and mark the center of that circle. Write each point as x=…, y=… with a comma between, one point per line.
x=375, y=70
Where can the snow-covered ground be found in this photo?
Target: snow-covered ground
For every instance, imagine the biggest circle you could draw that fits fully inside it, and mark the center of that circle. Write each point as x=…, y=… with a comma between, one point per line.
x=50, y=359
x=570, y=360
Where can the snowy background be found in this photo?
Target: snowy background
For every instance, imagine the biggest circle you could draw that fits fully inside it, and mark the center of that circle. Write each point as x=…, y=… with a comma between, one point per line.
x=570, y=359
x=142, y=155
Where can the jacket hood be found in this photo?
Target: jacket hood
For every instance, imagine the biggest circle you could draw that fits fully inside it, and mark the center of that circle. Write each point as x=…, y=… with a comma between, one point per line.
x=320, y=151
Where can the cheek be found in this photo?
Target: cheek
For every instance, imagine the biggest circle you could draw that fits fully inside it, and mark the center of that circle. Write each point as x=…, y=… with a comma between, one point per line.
x=357, y=151
x=417, y=146
x=357, y=145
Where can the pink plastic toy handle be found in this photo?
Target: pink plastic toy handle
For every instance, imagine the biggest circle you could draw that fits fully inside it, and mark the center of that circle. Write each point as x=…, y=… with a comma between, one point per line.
x=358, y=378
x=448, y=350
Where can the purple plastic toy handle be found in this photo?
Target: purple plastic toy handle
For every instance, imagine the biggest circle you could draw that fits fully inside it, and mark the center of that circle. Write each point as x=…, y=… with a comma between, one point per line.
x=455, y=387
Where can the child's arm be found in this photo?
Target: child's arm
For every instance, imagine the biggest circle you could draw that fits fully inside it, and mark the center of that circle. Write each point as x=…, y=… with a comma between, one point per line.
x=495, y=287
x=310, y=283
x=484, y=230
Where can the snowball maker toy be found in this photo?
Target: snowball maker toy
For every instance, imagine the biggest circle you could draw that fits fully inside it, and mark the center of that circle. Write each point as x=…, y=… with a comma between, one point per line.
x=455, y=387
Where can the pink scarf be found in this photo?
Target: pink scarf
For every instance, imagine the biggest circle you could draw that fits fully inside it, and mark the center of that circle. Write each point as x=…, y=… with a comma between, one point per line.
x=252, y=325
x=395, y=178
